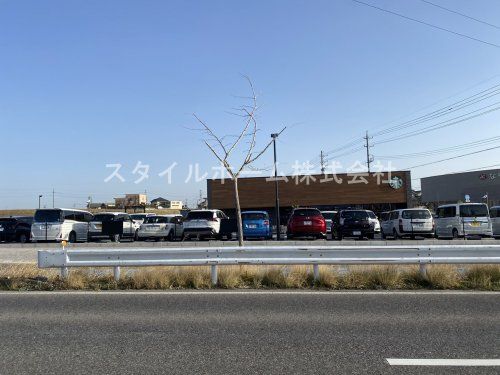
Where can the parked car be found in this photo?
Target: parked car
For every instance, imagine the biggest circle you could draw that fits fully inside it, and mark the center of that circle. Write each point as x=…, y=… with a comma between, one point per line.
x=328, y=215
x=113, y=226
x=495, y=221
x=256, y=225
x=139, y=218
x=60, y=224
x=15, y=228
x=162, y=227
x=373, y=219
x=306, y=222
x=463, y=219
x=385, y=224
x=409, y=222
x=203, y=223
x=352, y=223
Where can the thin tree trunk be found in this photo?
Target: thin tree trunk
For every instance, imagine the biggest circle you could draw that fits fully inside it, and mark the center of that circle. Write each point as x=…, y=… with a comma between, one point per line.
x=238, y=213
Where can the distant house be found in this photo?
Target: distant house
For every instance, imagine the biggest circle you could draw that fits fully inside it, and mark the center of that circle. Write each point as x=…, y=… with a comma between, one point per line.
x=131, y=200
x=160, y=202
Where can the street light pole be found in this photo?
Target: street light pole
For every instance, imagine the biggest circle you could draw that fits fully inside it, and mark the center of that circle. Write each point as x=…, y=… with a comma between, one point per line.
x=39, y=200
x=277, y=208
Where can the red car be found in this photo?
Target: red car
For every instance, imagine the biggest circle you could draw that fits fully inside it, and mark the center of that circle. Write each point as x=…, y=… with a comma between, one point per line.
x=306, y=222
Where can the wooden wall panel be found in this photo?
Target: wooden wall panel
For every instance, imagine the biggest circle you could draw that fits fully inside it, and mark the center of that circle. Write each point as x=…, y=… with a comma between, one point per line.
x=258, y=192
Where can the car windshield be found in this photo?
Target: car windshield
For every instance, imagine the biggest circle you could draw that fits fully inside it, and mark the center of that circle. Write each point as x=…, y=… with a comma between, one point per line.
x=138, y=216
x=7, y=220
x=156, y=220
x=357, y=215
x=253, y=216
x=371, y=215
x=104, y=217
x=306, y=212
x=416, y=214
x=48, y=216
x=200, y=215
x=328, y=215
x=473, y=210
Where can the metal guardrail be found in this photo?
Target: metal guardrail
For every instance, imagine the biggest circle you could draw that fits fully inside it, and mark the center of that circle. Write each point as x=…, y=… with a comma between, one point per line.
x=273, y=255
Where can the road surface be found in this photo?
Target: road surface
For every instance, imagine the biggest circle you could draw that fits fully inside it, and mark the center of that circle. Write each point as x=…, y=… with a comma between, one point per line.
x=247, y=332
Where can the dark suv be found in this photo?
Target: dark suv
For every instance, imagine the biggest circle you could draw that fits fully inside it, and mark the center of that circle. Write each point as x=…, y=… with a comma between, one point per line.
x=352, y=223
x=15, y=228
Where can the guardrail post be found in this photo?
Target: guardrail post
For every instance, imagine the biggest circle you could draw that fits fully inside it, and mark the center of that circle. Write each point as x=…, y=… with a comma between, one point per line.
x=423, y=270
x=116, y=273
x=64, y=272
x=213, y=274
x=316, y=272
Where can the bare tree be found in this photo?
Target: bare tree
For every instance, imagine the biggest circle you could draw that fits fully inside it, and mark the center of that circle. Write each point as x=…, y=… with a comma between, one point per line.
x=223, y=151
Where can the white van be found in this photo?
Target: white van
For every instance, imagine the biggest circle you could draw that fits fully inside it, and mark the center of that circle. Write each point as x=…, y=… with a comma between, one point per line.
x=463, y=219
x=60, y=224
x=495, y=221
x=408, y=222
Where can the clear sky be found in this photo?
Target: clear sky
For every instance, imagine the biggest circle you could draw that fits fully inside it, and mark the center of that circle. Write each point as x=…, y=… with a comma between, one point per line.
x=89, y=83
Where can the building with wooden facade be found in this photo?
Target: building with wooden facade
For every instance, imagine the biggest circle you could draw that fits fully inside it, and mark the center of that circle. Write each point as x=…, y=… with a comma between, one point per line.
x=375, y=191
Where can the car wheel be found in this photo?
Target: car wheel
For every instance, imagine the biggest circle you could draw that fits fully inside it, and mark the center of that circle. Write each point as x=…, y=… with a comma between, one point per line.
x=383, y=235
x=454, y=233
x=136, y=235
x=23, y=238
x=116, y=238
x=72, y=237
x=395, y=234
x=170, y=236
x=371, y=236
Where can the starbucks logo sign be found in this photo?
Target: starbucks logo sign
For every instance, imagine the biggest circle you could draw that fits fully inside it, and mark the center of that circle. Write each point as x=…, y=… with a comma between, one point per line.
x=396, y=182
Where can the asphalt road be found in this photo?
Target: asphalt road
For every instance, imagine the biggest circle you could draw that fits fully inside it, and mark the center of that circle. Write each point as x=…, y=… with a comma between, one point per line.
x=15, y=252
x=245, y=332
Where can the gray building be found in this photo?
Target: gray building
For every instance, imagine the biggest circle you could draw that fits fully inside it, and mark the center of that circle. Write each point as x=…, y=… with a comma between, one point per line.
x=452, y=188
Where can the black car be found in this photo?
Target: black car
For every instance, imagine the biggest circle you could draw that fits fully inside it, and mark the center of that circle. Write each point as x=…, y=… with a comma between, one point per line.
x=352, y=223
x=15, y=228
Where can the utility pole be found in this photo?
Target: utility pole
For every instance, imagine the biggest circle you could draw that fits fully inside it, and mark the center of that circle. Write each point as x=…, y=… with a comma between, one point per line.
x=322, y=161
x=277, y=208
x=39, y=201
x=369, y=158
x=53, y=198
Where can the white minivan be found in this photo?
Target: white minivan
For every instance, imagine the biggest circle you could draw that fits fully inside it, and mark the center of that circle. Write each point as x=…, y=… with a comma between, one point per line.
x=60, y=224
x=463, y=219
x=409, y=222
x=495, y=221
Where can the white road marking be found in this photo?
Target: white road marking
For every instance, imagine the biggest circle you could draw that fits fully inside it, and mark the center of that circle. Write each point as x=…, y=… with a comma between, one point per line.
x=324, y=293
x=442, y=362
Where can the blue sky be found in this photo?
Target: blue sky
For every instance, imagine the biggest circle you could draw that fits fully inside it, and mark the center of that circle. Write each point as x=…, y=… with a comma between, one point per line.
x=88, y=83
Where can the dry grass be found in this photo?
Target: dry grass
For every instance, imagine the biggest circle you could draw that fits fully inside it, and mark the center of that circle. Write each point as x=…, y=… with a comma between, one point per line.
x=29, y=277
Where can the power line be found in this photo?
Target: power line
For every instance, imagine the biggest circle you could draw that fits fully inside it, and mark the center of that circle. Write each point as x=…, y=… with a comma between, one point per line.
x=461, y=14
x=443, y=111
x=427, y=24
x=439, y=101
x=442, y=150
x=454, y=157
x=442, y=124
